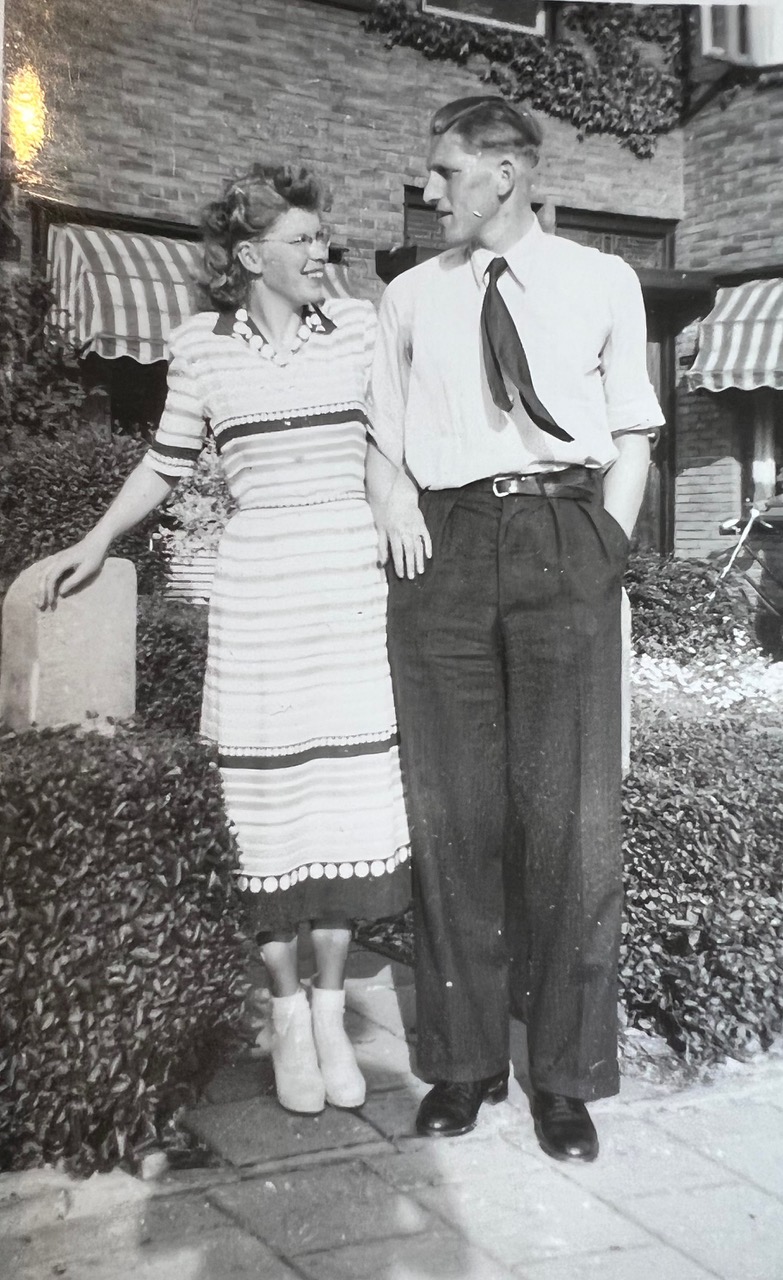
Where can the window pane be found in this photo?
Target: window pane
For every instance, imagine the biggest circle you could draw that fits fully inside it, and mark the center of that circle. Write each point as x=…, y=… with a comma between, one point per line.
x=719, y=26
x=743, y=43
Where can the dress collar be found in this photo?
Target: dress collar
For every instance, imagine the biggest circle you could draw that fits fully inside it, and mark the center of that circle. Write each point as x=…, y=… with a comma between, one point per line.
x=520, y=257
x=224, y=325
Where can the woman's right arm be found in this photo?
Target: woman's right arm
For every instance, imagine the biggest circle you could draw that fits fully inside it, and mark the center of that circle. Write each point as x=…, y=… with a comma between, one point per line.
x=62, y=573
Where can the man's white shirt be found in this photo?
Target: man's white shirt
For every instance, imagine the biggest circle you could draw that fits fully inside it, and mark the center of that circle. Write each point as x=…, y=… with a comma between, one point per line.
x=580, y=316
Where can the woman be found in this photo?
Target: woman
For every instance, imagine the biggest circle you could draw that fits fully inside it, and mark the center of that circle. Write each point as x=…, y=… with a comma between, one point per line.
x=297, y=690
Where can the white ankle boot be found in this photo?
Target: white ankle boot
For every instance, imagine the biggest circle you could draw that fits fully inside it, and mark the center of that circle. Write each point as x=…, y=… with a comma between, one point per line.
x=343, y=1081
x=298, y=1081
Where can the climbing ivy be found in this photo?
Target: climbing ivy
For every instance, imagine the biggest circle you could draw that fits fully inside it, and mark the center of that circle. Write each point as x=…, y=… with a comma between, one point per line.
x=615, y=69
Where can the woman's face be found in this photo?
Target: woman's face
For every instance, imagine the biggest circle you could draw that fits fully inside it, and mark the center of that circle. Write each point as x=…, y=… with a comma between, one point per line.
x=289, y=258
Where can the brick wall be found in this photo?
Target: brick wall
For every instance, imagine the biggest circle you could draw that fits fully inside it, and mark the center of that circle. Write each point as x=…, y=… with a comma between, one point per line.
x=733, y=197
x=153, y=102
x=733, y=183
x=708, y=487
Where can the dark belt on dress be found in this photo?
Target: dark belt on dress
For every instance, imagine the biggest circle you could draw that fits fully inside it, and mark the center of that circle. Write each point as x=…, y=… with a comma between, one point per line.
x=570, y=482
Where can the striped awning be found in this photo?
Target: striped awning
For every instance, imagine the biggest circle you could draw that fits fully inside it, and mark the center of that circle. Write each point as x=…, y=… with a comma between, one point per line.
x=120, y=293
x=741, y=340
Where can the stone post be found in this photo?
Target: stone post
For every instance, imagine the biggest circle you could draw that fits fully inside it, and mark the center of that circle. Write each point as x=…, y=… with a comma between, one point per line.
x=75, y=664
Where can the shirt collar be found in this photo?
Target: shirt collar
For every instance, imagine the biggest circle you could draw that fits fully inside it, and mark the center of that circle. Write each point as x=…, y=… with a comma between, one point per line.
x=520, y=257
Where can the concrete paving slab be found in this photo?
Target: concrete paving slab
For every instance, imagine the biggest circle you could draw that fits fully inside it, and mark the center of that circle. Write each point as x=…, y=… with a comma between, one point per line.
x=744, y=1135
x=734, y=1231
x=314, y=1210
x=637, y=1158
x=525, y=1219
x=257, y=1130
x=383, y=1005
x=433, y=1164
x=40, y=1199
x=226, y=1253
x=383, y=1057
x=114, y=1229
x=241, y=1080
x=394, y=1113
x=656, y=1263
x=421, y=1257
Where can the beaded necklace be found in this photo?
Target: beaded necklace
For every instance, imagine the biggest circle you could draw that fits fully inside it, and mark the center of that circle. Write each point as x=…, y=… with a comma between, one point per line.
x=247, y=331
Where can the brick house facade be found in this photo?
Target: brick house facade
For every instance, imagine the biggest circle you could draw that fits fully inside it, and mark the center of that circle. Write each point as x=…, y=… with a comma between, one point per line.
x=732, y=227
x=152, y=104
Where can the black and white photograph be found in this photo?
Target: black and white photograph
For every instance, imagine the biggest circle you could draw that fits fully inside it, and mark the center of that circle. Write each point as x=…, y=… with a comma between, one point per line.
x=391, y=642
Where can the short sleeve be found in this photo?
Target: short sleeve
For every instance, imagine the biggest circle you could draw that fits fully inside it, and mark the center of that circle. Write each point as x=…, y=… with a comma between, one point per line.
x=181, y=433
x=631, y=403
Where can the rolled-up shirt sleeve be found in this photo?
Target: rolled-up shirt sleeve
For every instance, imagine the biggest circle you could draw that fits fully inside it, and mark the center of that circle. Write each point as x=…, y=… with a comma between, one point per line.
x=391, y=374
x=631, y=402
x=181, y=433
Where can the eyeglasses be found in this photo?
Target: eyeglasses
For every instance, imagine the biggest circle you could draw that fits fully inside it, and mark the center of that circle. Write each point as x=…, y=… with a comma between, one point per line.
x=322, y=238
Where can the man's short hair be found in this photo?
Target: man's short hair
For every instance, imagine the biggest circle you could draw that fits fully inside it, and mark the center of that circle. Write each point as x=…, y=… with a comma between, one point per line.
x=489, y=123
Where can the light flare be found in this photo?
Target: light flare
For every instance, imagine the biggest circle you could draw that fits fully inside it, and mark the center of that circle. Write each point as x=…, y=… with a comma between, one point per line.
x=26, y=114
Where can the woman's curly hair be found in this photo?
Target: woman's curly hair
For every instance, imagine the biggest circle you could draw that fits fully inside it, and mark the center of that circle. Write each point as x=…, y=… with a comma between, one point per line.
x=248, y=208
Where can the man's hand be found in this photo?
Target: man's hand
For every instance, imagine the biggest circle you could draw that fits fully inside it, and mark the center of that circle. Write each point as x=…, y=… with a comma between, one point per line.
x=402, y=532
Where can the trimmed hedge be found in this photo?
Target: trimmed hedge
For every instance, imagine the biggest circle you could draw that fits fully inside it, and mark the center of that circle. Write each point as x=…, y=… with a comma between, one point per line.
x=702, y=959
x=52, y=492
x=171, y=648
x=121, y=969
x=672, y=614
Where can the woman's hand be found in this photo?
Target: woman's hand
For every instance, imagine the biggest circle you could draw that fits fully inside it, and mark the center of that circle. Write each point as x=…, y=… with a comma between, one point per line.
x=63, y=572
x=142, y=492
x=402, y=532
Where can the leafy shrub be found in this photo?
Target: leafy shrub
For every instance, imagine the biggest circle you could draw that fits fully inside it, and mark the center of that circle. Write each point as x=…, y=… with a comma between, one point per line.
x=703, y=953
x=120, y=963
x=199, y=507
x=40, y=388
x=672, y=613
x=52, y=492
x=171, y=641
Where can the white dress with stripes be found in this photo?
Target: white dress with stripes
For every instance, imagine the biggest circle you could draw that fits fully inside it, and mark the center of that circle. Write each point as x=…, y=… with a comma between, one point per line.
x=297, y=691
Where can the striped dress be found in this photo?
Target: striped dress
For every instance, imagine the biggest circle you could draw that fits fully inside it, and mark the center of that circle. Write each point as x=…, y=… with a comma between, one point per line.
x=297, y=692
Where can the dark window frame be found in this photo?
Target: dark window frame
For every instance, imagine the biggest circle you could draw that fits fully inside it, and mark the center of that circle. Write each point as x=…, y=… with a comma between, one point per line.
x=659, y=230
x=442, y=9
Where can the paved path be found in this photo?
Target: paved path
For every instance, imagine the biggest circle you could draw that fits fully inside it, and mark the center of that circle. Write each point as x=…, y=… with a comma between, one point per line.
x=689, y=1185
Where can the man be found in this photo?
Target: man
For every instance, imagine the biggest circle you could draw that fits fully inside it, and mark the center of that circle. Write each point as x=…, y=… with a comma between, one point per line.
x=512, y=420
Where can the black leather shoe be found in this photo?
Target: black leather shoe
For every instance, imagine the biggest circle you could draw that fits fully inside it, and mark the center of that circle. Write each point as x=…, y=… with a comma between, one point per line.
x=451, y=1106
x=563, y=1127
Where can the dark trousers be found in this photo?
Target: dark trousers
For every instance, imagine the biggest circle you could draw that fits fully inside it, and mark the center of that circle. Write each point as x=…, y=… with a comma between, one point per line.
x=506, y=661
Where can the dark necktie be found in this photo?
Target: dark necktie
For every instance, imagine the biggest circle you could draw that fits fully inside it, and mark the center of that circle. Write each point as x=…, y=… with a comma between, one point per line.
x=504, y=353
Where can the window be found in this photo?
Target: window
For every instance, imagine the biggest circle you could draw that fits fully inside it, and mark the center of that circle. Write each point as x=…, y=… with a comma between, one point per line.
x=725, y=32
x=510, y=15
x=641, y=242
x=421, y=224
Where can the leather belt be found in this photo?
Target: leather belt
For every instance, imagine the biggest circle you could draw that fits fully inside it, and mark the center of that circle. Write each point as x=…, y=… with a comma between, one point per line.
x=570, y=482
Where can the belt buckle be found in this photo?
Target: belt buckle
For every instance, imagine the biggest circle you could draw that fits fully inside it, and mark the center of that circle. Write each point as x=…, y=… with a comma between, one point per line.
x=502, y=493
